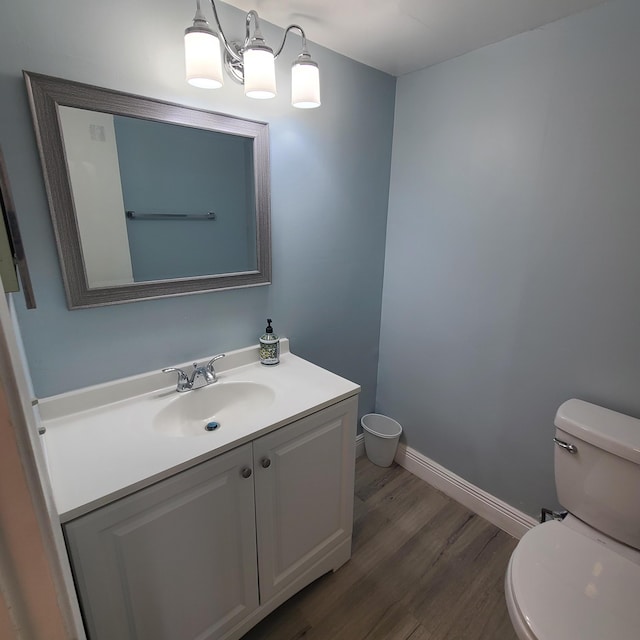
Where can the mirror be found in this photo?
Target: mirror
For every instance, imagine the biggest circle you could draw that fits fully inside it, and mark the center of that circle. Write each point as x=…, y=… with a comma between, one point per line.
x=150, y=199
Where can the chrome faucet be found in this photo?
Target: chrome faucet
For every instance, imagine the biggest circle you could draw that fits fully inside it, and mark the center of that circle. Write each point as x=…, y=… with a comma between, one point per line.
x=201, y=376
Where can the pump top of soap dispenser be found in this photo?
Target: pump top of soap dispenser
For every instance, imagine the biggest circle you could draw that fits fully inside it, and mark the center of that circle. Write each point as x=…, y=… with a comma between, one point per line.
x=269, y=346
x=268, y=332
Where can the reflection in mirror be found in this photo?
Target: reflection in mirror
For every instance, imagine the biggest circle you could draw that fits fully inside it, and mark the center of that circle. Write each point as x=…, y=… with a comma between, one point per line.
x=148, y=198
x=188, y=192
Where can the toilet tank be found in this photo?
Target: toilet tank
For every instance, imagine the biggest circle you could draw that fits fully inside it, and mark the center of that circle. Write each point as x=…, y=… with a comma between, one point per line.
x=600, y=482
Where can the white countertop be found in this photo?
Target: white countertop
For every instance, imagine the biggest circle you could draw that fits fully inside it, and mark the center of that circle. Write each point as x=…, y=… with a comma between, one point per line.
x=101, y=444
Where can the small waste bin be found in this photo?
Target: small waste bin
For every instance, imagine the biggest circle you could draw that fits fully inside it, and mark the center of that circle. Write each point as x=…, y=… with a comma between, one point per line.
x=381, y=435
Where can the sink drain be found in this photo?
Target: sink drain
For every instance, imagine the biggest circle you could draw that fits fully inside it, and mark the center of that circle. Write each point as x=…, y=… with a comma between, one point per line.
x=211, y=426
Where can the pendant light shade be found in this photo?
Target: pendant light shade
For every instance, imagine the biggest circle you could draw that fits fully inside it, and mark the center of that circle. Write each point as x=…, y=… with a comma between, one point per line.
x=203, y=60
x=259, y=72
x=305, y=83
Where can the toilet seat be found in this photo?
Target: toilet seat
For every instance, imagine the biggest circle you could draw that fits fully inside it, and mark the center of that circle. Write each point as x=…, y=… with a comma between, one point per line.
x=563, y=585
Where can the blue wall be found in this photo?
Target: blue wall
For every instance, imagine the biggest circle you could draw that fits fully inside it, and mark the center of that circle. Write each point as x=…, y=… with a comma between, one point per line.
x=329, y=177
x=512, y=269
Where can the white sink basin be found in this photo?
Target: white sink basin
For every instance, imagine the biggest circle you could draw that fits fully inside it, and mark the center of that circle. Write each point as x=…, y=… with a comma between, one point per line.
x=228, y=404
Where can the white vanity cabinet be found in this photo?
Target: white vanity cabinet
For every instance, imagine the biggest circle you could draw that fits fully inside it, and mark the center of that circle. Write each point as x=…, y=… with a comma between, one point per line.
x=207, y=553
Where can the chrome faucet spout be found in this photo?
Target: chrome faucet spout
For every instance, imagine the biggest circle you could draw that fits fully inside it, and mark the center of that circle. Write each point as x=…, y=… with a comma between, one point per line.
x=200, y=377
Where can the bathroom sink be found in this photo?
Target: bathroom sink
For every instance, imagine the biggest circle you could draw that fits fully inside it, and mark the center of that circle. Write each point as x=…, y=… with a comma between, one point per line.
x=212, y=409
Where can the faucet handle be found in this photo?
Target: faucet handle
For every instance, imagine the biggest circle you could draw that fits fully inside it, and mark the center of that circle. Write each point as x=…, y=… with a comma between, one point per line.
x=183, y=378
x=210, y=363
x=210, y=368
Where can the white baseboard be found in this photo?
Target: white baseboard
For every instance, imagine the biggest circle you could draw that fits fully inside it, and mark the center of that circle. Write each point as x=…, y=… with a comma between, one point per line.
x=359, y=445
x=499, y=513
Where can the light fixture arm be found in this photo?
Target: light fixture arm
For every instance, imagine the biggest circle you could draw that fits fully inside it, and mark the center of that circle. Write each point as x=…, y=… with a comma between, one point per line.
x=284, y=39
x=253, y=15
x=231, y=52
x=257, y=34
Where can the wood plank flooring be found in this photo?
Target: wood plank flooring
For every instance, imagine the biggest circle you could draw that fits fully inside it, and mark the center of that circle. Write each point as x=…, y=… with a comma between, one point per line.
x=423, y=568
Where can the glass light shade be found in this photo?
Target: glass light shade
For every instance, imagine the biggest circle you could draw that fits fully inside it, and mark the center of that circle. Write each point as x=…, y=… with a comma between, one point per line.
x=259, y=73
x=203, y=60
x=305, y=84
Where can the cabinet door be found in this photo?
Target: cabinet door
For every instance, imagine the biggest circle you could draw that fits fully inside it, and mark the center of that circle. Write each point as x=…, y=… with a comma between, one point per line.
x=304, y=493
x=175, y=561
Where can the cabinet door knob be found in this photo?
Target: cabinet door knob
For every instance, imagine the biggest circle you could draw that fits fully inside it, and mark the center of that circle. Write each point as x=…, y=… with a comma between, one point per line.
x=265, y=462
x=246, y=472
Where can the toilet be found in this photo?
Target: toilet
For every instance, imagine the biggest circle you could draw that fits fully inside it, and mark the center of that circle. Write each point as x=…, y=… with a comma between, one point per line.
x=579, y=578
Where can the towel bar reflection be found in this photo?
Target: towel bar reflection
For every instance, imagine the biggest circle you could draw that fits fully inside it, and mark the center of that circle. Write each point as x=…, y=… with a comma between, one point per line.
x=134, y=215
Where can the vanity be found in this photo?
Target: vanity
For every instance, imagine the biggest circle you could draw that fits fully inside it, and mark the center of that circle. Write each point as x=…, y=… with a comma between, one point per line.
x=194, y=515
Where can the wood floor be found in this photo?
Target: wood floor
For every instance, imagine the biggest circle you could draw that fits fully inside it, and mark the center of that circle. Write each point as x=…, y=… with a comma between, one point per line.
x=423, y=568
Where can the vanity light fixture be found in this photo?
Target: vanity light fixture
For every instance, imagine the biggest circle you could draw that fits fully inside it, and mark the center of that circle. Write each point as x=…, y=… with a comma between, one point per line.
x=251, y=63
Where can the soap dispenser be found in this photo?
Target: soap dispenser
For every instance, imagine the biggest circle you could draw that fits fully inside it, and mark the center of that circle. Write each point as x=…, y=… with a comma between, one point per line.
x=269, y=345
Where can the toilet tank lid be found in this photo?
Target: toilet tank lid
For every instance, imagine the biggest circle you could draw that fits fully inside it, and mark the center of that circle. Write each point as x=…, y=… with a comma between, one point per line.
x=612, y=431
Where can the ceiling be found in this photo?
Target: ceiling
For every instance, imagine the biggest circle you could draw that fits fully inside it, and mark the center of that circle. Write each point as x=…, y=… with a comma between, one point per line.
x=400, y=36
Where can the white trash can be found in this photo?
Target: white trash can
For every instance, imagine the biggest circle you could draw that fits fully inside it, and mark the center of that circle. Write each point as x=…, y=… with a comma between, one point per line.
x=381, y=435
